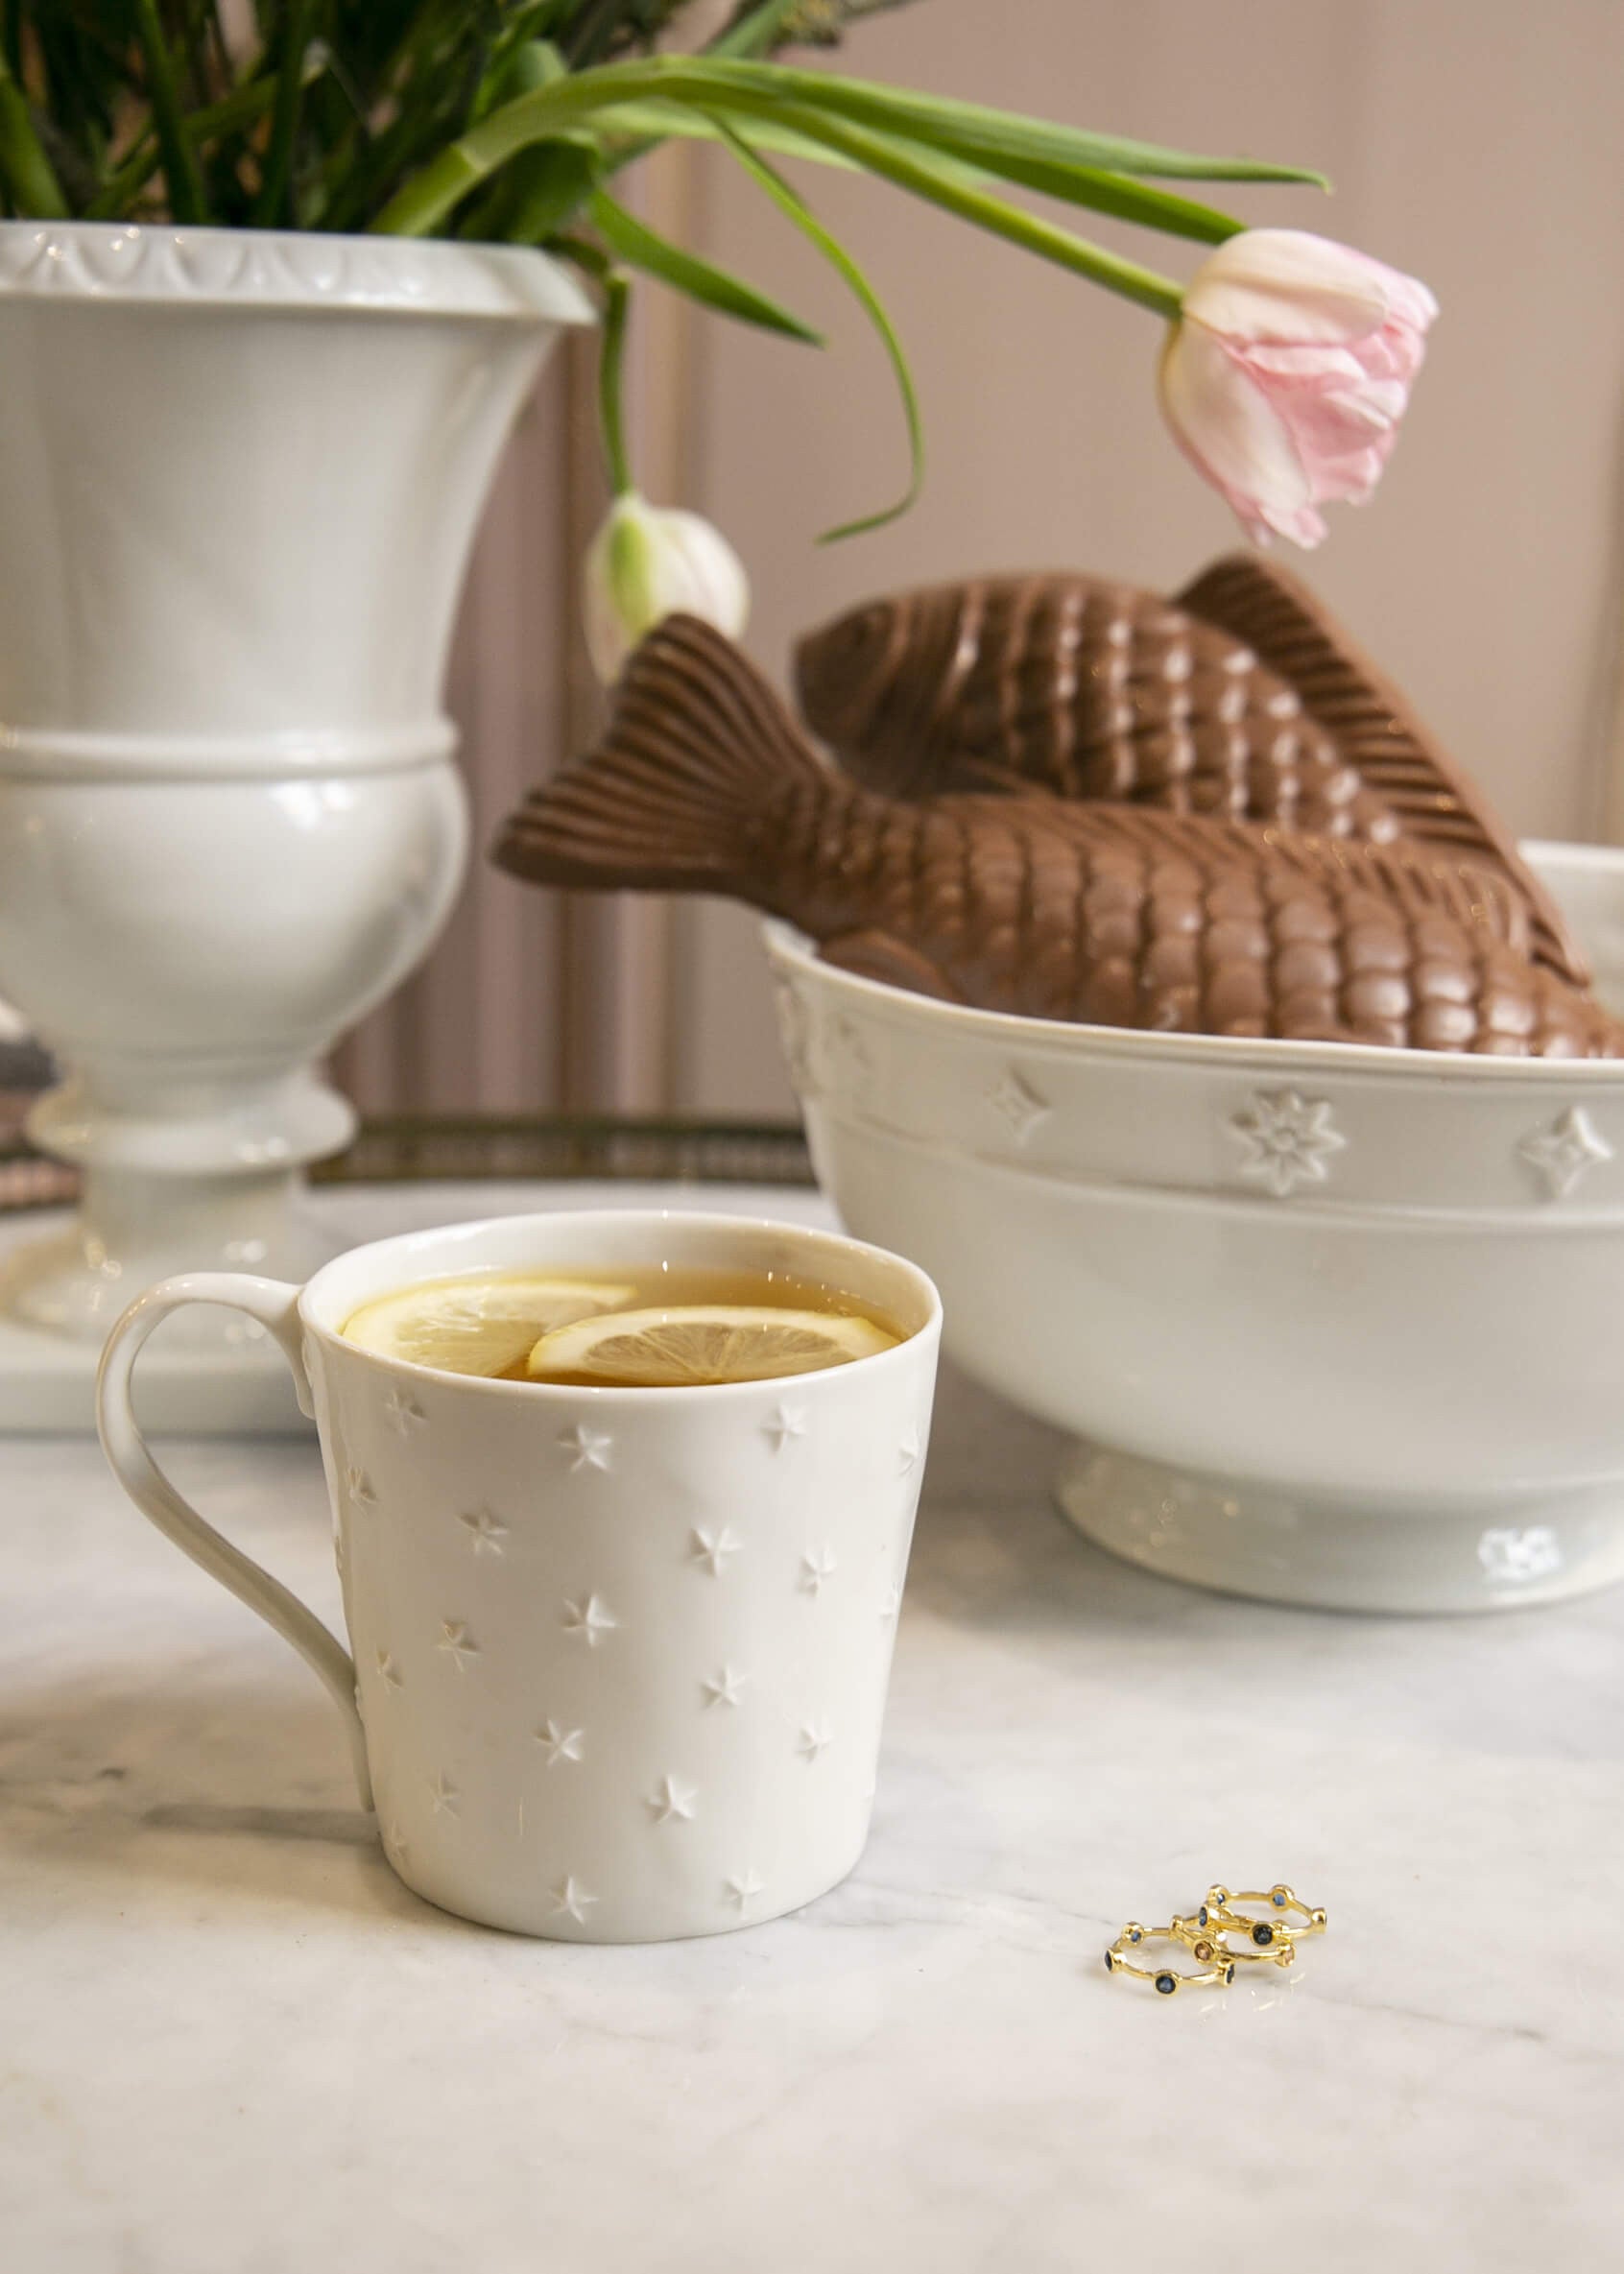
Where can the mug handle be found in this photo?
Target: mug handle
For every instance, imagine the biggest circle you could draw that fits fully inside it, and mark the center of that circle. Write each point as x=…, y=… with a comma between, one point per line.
x=275, y=1306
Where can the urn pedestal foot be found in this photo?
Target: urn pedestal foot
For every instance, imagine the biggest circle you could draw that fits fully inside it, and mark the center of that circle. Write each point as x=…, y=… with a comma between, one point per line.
x=211, y=1183
x=213, y=1382
x=216, y=1184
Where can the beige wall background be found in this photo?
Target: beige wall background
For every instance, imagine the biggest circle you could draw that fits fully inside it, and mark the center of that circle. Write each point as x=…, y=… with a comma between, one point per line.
x=1476, y=142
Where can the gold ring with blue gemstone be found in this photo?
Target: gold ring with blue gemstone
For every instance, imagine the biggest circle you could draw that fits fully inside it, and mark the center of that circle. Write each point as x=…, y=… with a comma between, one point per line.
x=1287, y=1919
x=1127, y=1950
x=1205, y=1935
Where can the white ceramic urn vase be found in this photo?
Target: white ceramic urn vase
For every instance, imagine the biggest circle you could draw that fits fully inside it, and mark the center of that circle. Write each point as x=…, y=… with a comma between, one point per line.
x=240, y=474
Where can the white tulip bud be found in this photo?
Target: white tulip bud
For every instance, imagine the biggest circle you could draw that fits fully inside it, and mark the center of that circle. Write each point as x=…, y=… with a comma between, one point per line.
x=649, y=561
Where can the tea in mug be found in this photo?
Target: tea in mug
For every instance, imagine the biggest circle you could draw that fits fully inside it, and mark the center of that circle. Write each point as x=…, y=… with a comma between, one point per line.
x=660, y=1327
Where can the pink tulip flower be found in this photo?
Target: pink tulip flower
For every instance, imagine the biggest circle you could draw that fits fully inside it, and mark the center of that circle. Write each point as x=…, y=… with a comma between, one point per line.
x=1286, y=375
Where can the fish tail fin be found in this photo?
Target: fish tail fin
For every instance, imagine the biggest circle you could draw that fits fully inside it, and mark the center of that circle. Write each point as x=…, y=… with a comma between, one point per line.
x=1277, y=616
x=697, y=753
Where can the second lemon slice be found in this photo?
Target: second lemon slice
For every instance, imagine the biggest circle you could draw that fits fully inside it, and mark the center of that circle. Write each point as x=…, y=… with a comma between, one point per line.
x=693, y=1345
x=476, y=1325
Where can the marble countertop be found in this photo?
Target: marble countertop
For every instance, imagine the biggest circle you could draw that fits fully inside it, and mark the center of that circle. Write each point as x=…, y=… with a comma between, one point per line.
x=231, y=2042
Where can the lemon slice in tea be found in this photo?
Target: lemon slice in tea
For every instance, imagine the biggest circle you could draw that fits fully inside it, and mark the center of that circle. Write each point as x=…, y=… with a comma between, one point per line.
x=695, y=1344
x=476, y=1325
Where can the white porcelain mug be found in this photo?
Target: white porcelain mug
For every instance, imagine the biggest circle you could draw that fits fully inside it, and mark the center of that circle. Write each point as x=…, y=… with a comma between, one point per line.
x=620, y=1655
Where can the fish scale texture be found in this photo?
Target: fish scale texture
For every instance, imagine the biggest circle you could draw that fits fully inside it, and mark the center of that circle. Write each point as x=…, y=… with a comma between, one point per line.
x=1121, y=914
x=1241, y=700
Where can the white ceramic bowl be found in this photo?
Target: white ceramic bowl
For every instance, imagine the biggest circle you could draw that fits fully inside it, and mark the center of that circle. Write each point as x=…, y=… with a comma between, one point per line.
x=1334, y=1325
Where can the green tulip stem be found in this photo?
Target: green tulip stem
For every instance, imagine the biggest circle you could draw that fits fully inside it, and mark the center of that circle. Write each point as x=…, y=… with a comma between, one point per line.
x=26, y=173
x=612, y=355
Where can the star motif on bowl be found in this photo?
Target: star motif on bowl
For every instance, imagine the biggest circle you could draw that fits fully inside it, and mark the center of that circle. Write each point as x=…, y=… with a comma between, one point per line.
x=891, y=1603
x=909, y=1454
x=1289, y=1140
x=588, y=1449
x=795, y=1035
x=744, y=1889
x=560, y=1744
x=786, y=1424
x=673, y=1803
x=723, y=1689
x=711, y=1549
x=815, y=1569
x=853, y=1045
x=571, y=1901
x=457, y=1642
x=589, y=1620
x=388, y=1672
x=486, y=1534
x=445, y=1799
x=403, y=1412
x=814, y=1737
x=394, y=1841
x=1018, y=1106
x=1564, y=1154
x=358, y=1485
x=1514, y=1554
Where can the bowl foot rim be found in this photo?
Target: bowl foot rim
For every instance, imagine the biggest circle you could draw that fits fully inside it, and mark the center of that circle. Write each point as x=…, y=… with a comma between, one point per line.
x=1345, y=1550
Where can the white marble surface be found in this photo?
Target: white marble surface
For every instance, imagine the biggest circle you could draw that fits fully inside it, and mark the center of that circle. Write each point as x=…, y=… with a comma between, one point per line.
x=232, y=2043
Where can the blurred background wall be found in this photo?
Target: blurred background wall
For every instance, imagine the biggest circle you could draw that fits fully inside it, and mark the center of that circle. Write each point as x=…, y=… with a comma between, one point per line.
x=1473, y=142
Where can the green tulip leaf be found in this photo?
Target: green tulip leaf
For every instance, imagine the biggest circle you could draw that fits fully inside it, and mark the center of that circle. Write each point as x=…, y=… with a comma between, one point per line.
x=633, y=240
x=790, y=202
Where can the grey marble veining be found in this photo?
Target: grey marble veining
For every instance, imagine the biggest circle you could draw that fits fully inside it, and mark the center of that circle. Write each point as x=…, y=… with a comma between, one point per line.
x=232, y=2043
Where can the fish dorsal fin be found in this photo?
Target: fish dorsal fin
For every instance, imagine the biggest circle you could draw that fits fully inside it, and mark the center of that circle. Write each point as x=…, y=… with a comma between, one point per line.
x=1379, y=734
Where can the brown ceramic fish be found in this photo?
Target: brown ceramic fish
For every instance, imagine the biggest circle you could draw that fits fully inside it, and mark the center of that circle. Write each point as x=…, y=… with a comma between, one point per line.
x=1121, y=915
x=1240, y=699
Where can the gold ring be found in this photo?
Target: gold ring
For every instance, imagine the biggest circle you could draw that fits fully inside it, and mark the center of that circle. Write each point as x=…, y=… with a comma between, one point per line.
x=1204, y=1935
x=1269, y=1936
x=1134, y=1936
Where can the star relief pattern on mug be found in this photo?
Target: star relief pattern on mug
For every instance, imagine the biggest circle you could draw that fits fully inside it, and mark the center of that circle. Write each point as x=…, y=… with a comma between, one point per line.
x=444, y=1798
x=485, y=1533
x=403, y=1413
x=814, y=1741
x=815, y=1566
x=1287, y=1140
x=559, y=1743
x=388, y=1672
x=742, y=1890
x=910, y=1452
x=891, y=1602
x=672, y=1802
x=711, y=1548
x=588, y=1618
x=358, y=1488
x=571, y=1901
x=457, y=1643
x=723, y=1687
x=587, y=1449
x=784, y=1426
